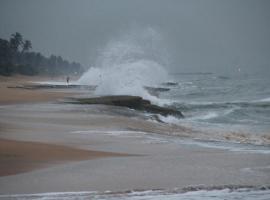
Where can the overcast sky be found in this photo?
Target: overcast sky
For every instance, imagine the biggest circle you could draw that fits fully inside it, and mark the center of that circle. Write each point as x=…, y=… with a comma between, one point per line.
x=201, y=35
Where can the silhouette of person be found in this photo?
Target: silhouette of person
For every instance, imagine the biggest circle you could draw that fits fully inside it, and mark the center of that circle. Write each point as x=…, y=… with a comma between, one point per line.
x=68, y=80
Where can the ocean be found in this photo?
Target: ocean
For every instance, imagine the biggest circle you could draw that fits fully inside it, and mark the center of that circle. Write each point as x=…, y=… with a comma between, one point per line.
x=231, y=108
x=236, y=107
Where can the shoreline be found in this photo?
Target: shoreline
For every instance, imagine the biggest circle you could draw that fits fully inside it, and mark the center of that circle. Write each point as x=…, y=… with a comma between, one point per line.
x=17, y=156
x=76, y=138
x=13, y=95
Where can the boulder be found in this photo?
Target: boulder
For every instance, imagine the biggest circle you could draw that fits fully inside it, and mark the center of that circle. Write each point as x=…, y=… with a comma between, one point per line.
x=155, y=91
x=133, y=102
x=170, y=84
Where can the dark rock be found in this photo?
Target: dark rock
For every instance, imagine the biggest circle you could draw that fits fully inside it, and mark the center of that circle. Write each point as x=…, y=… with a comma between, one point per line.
x=170, y=84
x=155, y=91
x=133, y=102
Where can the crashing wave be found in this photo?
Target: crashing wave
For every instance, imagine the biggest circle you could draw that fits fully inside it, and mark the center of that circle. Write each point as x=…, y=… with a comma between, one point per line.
x=127, y=65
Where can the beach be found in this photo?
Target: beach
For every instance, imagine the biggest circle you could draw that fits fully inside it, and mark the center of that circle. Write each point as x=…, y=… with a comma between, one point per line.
x=10, y=94
x=134, y=100
x=19, y=157
x=50, y=146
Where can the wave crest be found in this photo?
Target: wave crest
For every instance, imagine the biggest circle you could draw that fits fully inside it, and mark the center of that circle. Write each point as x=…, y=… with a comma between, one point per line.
x=129, y=64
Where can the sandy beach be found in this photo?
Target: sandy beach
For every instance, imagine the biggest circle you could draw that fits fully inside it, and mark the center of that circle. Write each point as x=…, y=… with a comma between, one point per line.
x=11, y=95
x=18, y=157
x=22, y=156
x=134, y=100
x=56, y=147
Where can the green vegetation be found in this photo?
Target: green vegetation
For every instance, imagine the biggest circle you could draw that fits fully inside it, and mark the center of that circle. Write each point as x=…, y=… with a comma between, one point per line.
x=16, y=58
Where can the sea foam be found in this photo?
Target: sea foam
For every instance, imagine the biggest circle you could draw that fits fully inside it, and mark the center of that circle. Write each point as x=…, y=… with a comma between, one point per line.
x=193, y=194
x=128, y=64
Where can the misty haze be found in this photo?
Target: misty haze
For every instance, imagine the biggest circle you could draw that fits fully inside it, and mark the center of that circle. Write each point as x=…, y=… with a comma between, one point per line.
x=135, y=99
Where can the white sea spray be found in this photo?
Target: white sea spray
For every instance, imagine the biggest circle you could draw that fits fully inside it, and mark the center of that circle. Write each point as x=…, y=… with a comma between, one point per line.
x=128, y=64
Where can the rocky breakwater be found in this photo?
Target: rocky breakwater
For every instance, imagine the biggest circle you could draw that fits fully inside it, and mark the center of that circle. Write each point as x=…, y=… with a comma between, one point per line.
x=132, y=102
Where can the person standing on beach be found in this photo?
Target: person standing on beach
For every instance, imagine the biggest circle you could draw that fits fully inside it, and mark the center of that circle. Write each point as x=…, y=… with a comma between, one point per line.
x=68, y=80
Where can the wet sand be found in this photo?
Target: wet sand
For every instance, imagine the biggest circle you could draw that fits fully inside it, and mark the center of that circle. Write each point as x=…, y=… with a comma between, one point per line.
x=11, y=95
x=18, y=157
x=71, y=132
x=22, y=156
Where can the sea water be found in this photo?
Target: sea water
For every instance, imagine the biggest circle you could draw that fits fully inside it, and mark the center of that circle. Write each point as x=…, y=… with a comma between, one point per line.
x=233, y=107
x=236, y=107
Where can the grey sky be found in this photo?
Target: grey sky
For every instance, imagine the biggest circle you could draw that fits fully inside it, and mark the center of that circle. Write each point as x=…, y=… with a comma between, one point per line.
x=201, y=35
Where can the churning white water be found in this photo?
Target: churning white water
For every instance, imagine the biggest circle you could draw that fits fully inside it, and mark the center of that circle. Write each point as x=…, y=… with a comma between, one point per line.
x=128, y=64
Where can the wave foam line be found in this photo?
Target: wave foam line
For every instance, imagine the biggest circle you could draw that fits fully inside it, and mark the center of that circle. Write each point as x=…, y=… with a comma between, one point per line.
x=233, y=192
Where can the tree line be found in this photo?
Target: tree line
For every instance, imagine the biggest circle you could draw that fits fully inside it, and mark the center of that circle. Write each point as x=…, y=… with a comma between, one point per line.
x=16, y=58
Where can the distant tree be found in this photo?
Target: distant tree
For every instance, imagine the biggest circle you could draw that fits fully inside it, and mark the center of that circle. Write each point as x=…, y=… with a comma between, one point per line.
x=27, y=45
x=5, y=52
x=16, y=41
x=15, y=57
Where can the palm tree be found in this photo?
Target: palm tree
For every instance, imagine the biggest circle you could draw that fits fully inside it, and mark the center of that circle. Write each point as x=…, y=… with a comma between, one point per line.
x=5, y=53
x=16, y=41
x=26, y=45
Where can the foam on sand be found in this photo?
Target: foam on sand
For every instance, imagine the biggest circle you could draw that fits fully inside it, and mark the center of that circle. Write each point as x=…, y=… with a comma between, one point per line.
x=200, y=194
